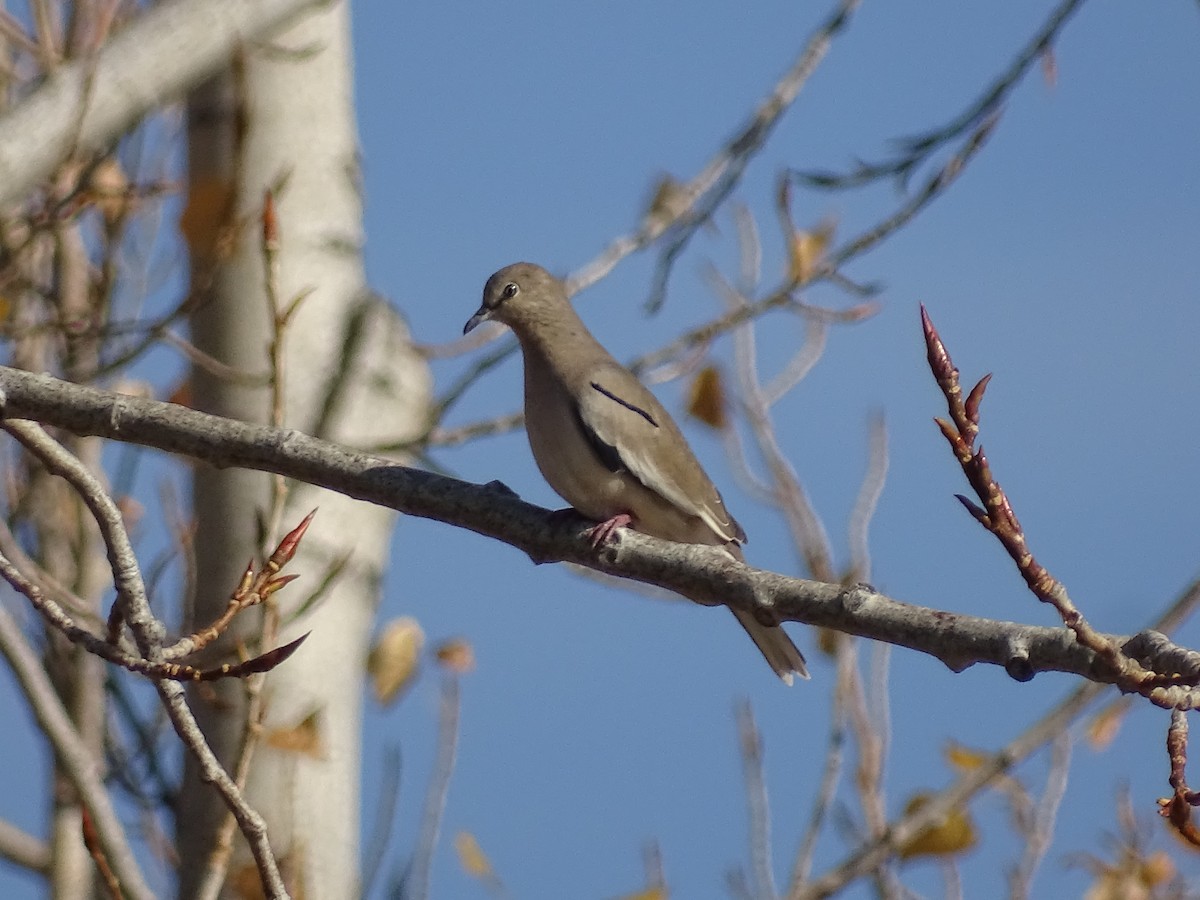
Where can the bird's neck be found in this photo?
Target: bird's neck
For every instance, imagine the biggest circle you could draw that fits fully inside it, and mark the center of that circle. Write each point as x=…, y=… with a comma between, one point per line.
x=561, y=342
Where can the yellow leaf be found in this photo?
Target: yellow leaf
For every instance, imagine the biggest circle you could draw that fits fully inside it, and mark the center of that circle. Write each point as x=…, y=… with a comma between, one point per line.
x=964, y=758
x=953, y=834
x=303, y=738
x=668, y=201
x=1157, y=869
x=393, y=660
x=457, y=655
x=706, y=398
x=471, y=856
x=654, y=893
x=828, y=641
x=806, y=250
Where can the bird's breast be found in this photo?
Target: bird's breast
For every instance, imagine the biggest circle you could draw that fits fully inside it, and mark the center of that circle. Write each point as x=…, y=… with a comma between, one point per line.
x=567, y=461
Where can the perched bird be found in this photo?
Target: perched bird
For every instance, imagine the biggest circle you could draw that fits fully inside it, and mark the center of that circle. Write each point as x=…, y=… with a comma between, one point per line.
x=605, y=443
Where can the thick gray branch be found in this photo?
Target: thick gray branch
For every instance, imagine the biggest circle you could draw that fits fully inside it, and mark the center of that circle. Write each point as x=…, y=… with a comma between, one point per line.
x=699, y=573
x=85, y=105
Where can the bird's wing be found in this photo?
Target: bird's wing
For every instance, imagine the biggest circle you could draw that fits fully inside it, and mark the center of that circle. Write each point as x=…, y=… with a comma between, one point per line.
x=629, y=429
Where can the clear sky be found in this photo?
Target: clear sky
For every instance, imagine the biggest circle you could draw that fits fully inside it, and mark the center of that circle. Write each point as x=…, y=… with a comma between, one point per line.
x=1065, y=261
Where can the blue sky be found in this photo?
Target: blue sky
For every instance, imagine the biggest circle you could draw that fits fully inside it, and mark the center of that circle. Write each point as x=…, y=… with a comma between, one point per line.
x=1064, y=261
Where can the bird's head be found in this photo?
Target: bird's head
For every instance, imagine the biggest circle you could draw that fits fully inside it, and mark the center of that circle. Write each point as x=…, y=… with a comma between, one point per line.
x=519, y=296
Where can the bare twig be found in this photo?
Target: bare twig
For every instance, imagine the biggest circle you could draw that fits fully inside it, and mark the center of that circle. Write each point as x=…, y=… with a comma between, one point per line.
x=1041, y=829
x=74, y=759
x=385, y=816
x=916, y=150
x=23, y=849
x=148, y=633
x=693, y=204
x=1178, y=807
x=416, y=880
x=866, y=502
x=997, y=516
x=867, y=857
x=757, y=807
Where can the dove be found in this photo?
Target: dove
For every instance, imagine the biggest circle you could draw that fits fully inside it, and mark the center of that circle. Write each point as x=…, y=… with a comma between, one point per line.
x=605, y=444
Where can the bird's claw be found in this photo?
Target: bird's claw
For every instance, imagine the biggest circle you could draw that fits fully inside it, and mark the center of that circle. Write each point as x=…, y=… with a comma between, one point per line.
x=601, y=534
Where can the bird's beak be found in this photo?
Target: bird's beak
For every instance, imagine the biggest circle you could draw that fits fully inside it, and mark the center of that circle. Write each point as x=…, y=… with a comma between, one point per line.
x=482, y=315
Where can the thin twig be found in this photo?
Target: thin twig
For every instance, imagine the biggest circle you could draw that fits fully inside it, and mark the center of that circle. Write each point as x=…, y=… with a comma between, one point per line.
x=757, y=807
x=148, y=634
x=416, y=880
x=867, y=857
x=385, y=817
x=74, y=759
x=1041, y=831
x=915, y=150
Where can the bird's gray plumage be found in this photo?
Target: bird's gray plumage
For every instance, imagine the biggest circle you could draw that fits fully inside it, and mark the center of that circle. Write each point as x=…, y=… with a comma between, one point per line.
x=604, y=442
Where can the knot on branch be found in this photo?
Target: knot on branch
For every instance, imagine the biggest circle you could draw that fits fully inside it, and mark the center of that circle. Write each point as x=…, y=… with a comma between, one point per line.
x=1173, y=672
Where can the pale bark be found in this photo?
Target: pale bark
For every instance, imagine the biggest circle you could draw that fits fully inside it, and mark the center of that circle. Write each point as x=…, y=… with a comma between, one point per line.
x=349, y=374
x=90, y=102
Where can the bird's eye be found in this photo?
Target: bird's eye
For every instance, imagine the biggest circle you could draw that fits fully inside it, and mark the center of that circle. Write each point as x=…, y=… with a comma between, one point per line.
x=510, y=291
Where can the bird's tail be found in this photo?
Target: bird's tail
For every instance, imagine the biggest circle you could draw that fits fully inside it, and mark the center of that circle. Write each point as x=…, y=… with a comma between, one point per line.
x=776, y=647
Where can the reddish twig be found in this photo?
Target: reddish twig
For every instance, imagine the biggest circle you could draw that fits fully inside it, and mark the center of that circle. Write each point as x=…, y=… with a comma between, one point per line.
x=252, y=590
x=1178, y=807
x=997, y=516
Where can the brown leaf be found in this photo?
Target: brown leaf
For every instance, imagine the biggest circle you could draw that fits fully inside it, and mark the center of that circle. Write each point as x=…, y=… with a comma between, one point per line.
x=394, y=658
x=668, y=201
x=1103, y=727
x=706, y=398
x=303, y=738
x=457, y=655
x=1049, y=67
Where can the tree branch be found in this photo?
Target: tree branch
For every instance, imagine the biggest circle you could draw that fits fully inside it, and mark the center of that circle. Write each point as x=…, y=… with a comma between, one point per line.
x=701, y=574
x=74, y=758
x=87, y=104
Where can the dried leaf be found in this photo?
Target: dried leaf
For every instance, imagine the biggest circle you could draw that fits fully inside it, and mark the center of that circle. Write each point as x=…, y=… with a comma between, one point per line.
x=654, y=893
x=110, y=189
x=1049, y=67
x=394, y=658
x=963, y=758
x=471, y=857
x=457, y=655
x=181, y=394
x=706, y=398
x=669, y=200
x=1103, y=727
x=828, y=641
x=303, y=738
x=953, y=834
x=208, y=210
x=806, y=250
x=1134, y=878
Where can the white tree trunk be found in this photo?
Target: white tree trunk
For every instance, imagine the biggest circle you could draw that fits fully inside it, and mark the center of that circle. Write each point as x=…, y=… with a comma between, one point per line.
x=350, y=376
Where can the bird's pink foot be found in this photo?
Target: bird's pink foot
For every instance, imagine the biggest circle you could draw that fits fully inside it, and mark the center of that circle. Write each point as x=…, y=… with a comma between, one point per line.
x=602, y=533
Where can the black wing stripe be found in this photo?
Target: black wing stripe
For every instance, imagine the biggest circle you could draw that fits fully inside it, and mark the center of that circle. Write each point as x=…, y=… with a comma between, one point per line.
x=625, y=403
x=607, y=453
